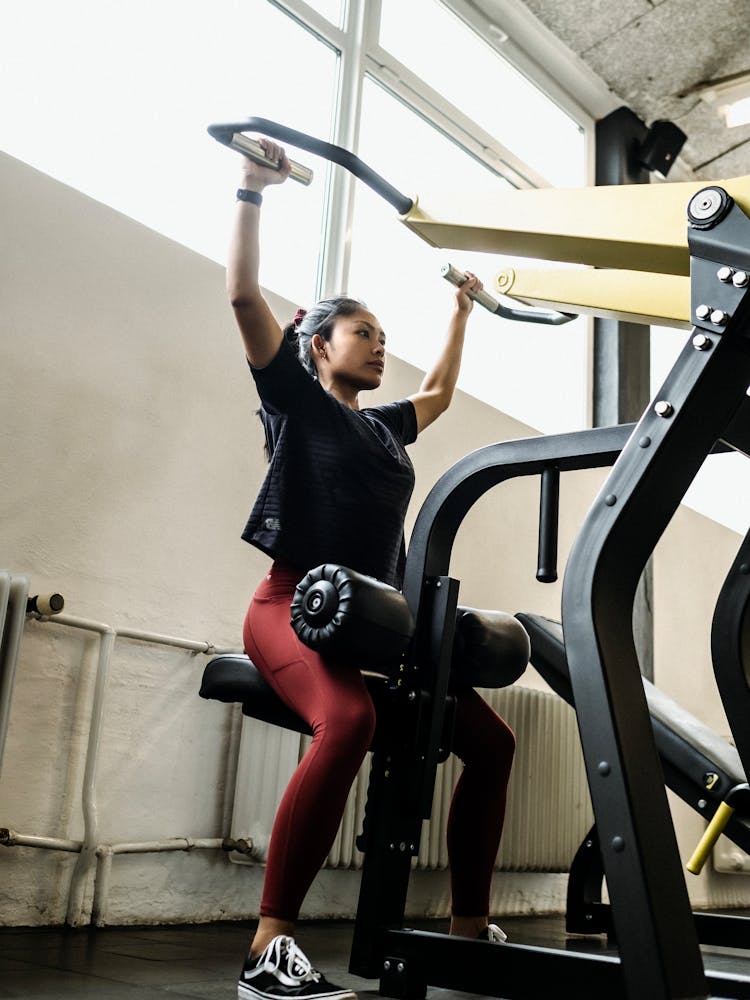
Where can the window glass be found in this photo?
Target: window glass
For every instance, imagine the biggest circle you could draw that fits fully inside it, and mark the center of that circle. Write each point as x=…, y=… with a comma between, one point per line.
x=456, y=62
x=516, y=367
x=114, y=99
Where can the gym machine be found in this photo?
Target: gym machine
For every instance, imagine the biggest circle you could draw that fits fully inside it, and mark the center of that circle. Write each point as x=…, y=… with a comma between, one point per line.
x=690, y=272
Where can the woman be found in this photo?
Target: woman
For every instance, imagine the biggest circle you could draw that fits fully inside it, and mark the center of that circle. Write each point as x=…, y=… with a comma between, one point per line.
x=337, y=490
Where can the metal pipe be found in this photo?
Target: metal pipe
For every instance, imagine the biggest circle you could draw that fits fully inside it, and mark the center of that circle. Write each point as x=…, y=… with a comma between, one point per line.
x=106, y=852
x=89, y=803
x=88, y=849
x=196, y=646
x=159, y=846
x=9, y=838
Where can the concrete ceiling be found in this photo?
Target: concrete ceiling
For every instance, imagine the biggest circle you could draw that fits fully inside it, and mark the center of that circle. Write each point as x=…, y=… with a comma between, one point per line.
x=650, y=53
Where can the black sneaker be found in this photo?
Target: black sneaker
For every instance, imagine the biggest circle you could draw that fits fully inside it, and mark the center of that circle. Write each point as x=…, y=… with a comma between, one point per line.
x=284, y=971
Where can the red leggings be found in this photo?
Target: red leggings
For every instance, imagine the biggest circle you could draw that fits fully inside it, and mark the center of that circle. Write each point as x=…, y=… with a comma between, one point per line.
x=334, y=701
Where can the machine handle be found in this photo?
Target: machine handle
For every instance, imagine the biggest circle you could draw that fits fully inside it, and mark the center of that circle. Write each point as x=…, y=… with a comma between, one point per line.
x=713, y=831
x=549, y=509
x=227, y=132
x=456, y=277
x=254, y=151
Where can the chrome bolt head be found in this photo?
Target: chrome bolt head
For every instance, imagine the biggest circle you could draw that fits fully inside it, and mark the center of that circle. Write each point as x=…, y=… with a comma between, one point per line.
x=718, y=317
x=701, y=342
x=740, y=279
x=725, y=273
x=664, y=408
x=703, y=311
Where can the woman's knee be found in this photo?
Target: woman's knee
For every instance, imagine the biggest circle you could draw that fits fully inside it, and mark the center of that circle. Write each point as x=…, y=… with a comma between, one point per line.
x=481, y=735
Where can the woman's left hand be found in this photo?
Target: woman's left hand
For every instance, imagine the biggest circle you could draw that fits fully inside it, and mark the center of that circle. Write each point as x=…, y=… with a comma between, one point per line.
x=472, y=284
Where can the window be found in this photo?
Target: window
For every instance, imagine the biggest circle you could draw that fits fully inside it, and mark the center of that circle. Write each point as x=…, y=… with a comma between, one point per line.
x=462, y=67
x=114, y=99
x=516, y=367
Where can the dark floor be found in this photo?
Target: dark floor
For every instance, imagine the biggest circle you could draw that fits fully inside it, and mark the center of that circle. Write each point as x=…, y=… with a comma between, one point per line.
x=202, y=962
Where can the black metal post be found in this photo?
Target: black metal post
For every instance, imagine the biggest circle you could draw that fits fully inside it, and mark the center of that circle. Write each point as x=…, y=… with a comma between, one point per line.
x=659, y=948
x=622, y=350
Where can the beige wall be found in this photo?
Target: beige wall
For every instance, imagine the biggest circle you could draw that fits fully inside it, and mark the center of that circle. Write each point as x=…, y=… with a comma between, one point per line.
x=130, y=456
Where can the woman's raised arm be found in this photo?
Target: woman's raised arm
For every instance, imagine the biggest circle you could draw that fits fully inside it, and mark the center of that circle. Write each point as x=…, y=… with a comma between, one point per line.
x=439, y=383
x=261, y=333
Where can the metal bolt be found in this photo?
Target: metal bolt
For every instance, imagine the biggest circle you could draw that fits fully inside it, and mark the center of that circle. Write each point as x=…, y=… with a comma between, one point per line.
x=439, y=583
x=645, y=442
x=610, y=500
x=618, y=845
x=744, y=569
x=387, y=965
x=701, y=342
x=703, y=311
x=664, y=408
x=402, y=846
x=702, y=803
x=400, y=967
x=725, y=273
x=604, y=768
x=705, y=203
x=412, y=696
x=740, y=279
x=719, y=317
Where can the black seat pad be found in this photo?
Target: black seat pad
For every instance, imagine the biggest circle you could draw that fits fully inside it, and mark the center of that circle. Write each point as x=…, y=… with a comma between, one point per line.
x=235, y=678
x=687, y=747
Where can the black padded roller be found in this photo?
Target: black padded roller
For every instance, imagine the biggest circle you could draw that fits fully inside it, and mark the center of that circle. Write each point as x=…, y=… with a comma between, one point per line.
x=347, y=615
x=491, y=649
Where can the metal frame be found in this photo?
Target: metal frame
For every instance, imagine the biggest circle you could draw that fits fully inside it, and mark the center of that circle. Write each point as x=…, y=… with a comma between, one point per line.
x=658, y=941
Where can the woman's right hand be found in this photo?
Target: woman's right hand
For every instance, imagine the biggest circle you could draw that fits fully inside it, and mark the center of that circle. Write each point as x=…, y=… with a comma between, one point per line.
x=255, y=176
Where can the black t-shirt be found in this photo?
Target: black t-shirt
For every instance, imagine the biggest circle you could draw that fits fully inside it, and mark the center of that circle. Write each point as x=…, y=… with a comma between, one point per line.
x=339, y=481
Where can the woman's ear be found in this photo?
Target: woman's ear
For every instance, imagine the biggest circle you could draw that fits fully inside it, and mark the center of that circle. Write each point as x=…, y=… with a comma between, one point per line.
x=318, y=345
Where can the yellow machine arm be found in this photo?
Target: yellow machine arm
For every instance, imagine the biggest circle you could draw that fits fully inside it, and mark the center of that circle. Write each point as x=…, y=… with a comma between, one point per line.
x=634, y=234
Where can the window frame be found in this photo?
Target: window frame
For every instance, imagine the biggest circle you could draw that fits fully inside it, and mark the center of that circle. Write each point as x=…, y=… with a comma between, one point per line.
x=561, y=76
x=360, y=56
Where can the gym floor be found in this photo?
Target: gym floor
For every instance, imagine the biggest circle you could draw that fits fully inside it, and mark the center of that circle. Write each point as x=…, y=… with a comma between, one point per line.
x=202, y=962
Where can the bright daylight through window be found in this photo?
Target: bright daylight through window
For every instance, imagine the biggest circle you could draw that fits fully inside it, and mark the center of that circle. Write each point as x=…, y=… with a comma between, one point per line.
x=114, y=100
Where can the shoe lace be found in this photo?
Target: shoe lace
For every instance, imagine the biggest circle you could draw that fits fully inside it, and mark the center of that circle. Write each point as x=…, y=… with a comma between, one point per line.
x=285, y=958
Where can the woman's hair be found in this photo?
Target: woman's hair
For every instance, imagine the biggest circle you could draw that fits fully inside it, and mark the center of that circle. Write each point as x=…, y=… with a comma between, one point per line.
x=319, y=319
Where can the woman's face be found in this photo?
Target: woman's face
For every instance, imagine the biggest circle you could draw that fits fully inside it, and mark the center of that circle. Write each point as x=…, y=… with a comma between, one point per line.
x=355, y=354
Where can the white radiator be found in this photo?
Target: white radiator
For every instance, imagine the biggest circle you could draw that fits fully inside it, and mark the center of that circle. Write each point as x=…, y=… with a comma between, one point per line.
x=548, y=813
x=13, y=593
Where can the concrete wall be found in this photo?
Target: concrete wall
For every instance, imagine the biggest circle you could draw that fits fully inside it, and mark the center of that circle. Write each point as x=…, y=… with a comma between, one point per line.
x=131, y=455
